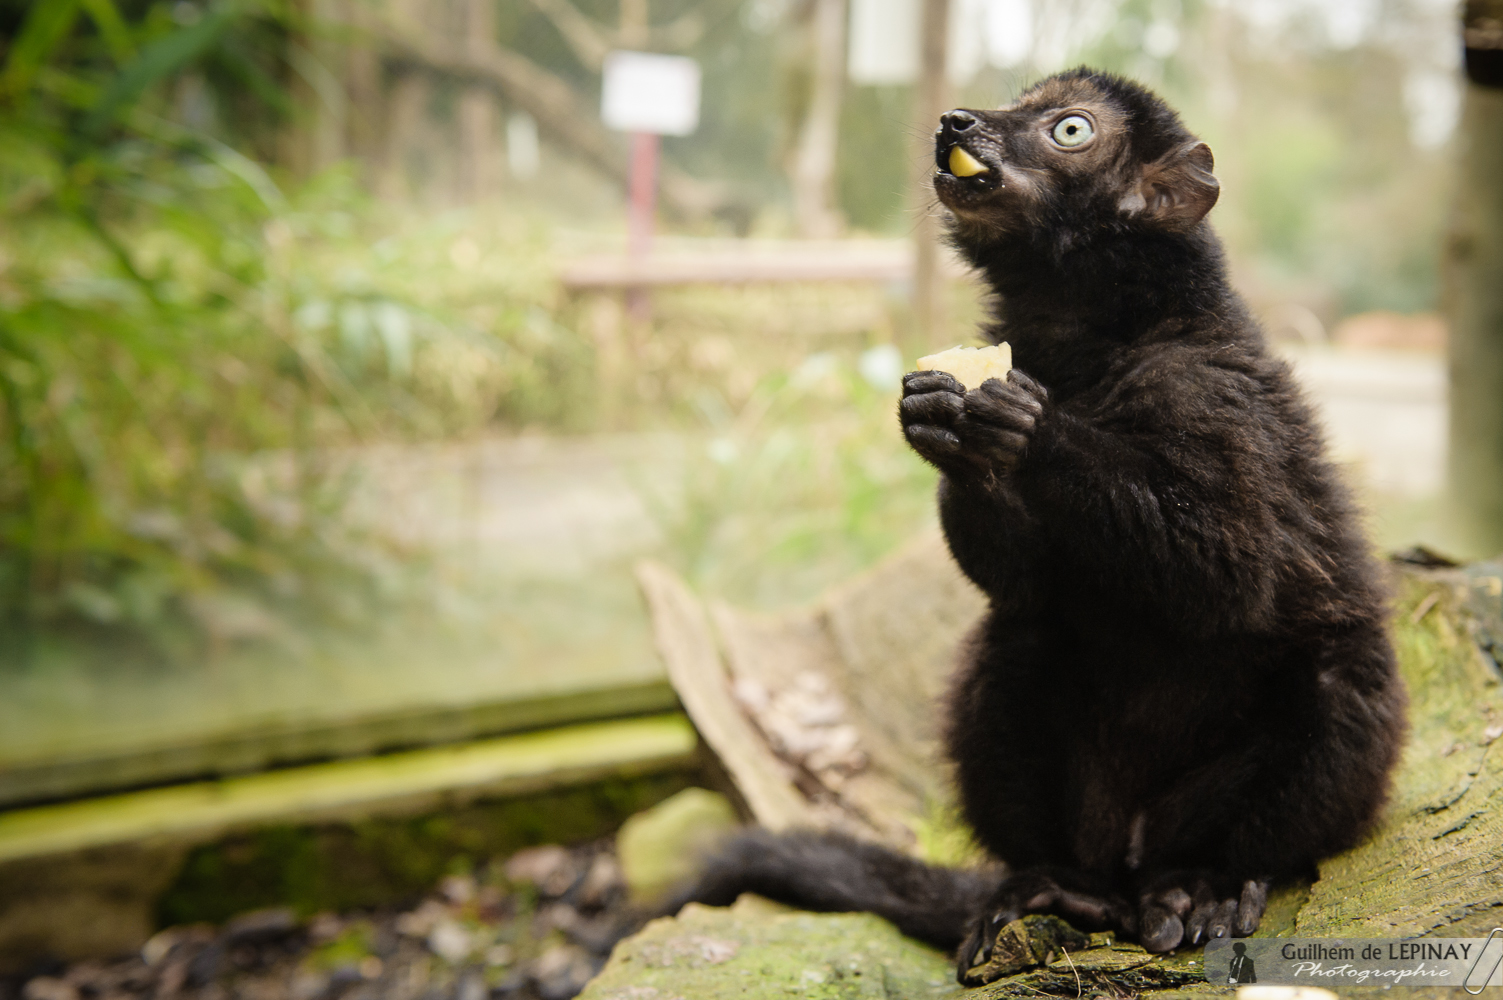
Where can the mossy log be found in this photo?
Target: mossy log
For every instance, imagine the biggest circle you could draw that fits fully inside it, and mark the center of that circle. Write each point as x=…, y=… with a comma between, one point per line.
x=1433, y=867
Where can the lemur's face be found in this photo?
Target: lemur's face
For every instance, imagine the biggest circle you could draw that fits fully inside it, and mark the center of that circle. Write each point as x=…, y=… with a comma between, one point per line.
x=1064, y=144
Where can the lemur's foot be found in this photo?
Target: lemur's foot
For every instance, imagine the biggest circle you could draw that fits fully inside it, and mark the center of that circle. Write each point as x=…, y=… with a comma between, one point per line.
x=985, y=429
x=1185, y=908
x=1032, y=892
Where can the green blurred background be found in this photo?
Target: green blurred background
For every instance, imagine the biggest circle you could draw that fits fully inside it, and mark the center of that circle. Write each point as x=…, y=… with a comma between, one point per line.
x=244, y=244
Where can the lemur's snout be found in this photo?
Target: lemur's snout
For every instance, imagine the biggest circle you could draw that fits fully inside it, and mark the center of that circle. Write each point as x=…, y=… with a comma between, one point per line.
x=957, y=121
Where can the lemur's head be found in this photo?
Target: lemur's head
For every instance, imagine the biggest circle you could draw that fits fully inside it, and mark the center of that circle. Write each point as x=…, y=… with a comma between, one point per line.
x=1077, y=152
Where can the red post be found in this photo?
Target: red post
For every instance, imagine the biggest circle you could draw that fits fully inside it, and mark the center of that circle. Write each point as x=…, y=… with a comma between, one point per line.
x=644, y=193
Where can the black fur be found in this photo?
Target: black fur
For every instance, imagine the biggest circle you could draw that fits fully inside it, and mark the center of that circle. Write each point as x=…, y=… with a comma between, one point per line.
x=1183, y=689
x=833, y=873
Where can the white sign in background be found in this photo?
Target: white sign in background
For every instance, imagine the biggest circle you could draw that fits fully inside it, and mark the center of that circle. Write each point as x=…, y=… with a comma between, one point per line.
x=645, y=92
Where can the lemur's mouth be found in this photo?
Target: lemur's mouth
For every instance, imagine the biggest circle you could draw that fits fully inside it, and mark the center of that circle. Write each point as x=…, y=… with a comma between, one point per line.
x=962, y=163
x=964, y=172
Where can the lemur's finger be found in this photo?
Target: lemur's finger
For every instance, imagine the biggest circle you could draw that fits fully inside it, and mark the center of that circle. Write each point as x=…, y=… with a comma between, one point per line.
x=931, y=408
x=933, y=381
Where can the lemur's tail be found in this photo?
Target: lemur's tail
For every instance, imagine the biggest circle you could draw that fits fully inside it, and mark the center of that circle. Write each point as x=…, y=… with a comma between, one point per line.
x=834, y=873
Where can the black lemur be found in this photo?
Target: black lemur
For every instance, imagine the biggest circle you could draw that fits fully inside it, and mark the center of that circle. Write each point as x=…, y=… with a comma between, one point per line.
x=1183, y=689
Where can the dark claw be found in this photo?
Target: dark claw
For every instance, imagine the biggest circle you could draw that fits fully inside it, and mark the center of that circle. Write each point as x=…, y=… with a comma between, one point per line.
x=1250, y=907
x=1220, y=925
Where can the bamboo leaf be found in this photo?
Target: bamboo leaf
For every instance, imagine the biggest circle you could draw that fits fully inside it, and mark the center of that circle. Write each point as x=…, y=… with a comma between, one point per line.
x=157, y=61
x=111, y=25
x=46, y=25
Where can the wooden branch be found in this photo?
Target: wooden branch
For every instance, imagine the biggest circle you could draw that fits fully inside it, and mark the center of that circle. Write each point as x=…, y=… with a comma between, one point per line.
x=679, y=34
x=587, y=40
x=693, y=660
x=560, y=112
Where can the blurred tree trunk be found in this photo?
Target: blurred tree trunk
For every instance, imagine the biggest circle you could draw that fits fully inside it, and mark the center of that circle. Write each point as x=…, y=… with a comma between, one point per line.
x=1475, y=291
x=366, y=117
x=933, y=100
x=634, y=22
x=814, y=199
x=478, y=160
x=404, y=121
x=316, y=139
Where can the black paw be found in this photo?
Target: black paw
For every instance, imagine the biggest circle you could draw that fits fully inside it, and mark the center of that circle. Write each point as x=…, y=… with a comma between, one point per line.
x=1031, y=892
x=1186, y=909
x=986, y=429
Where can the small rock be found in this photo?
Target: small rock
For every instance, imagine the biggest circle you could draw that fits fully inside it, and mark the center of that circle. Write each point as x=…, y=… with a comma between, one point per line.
x=663, y=845
x=325, y=927
x=307, y=985
x=49, y=988
x=551, y=868
x=490, y=901
x=472, y=987
x=174, y=975
x=602, y=882
x=345, y=975
x=163, y=943
x=513, y=985
x=558, y=916
x=561, y=972
x=599, y=934
x=371, y=967
x=260, y=926
x=205, y=966
x=499, y=954
x=450, y=941
x=457, y=889
x=420, y=922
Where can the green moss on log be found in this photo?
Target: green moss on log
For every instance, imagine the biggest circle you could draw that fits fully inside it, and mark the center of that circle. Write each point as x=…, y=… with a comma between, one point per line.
x=343, y=866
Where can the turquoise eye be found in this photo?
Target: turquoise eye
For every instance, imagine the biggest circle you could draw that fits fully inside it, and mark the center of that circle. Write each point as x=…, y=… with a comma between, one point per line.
x=1073, y=131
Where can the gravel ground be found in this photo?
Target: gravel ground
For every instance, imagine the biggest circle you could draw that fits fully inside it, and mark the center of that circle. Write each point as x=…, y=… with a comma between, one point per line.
x=536, y=926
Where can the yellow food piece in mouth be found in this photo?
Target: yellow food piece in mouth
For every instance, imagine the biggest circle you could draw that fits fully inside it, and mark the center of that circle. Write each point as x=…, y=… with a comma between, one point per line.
x=963, y=164
x=970, y=365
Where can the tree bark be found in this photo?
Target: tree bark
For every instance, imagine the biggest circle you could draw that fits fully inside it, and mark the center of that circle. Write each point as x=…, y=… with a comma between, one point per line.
x=366, y=116
x=814, y=200
x=1475, y=292
x=315, y=139
x=933, y=101
x=478, y=161
x=405, y=108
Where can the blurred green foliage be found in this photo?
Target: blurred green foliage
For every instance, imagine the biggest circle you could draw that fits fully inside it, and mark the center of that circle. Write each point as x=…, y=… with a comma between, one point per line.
x=181, y=342
x=188, y=337
x=1325, y=198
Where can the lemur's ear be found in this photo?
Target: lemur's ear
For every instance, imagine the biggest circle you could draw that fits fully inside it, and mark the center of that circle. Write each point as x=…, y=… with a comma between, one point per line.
x=1176, y=190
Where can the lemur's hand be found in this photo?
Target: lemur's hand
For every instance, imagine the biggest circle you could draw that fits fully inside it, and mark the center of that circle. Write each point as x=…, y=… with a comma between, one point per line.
x=984, y=430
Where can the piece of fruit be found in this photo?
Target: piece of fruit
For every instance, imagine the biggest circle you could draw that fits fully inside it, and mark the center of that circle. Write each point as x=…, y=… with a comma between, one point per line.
x=971, y=365
x=963, y=164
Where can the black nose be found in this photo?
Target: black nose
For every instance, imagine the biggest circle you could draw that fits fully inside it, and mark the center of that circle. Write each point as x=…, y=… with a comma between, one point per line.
x=957, y=121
